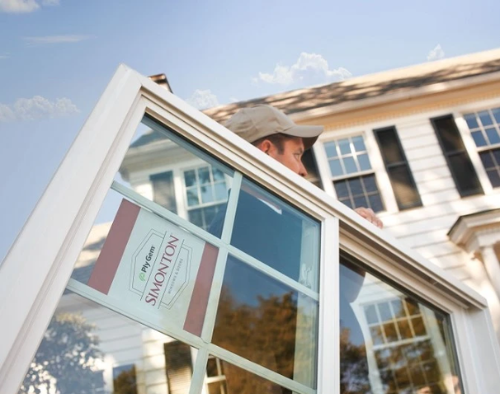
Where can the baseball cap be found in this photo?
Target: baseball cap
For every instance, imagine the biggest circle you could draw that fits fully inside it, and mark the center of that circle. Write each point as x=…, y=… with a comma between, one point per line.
x=261, y=121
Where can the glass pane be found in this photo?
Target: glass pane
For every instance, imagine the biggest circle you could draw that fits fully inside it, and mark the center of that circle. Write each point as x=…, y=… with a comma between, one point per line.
x=492, y=134
x=240, y=381
x=331, y=149
x=336, y=167
x=485, y=118
x=355, y=186
x=465, y=175
x=448, y=134
x=405, y=190
x=345, y=146
x=350, y=165
x=341, y=189
x=494, y=176
x=389, y=145
x=207, y=194
x=220, y=192
x=364, y=162
x=270, y=230
x=496, y=114
x=405, y=347
x=376, y=202
x=204, y=175
x=88, y=348
x=471, y=121
x=267, y=322
x=190, y=178
x=479, y=138
x=153, y=174
x=359, y=143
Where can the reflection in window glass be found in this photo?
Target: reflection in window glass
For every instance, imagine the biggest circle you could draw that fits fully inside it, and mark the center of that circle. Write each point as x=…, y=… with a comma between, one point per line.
x=391, y=342
x=88, y=348
x=267, y=322
x=273, y=232
x=164, y=168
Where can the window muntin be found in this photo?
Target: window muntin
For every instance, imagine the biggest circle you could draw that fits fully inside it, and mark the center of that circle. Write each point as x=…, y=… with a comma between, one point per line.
x=392, y=342
x=459, y=162
x=353, y=177
x=397, y=167
x=484, y=127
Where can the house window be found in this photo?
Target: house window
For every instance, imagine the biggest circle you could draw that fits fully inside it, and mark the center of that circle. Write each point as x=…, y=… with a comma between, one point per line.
x=164, y=191
x=402, y=347
x=352, y=174
x=485, y=130
x=124, y=379
x=206, y=193
x=398, y=169
x=458, y=160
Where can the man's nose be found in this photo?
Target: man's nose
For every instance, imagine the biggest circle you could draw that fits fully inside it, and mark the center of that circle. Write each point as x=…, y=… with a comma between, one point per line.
x=302, y=170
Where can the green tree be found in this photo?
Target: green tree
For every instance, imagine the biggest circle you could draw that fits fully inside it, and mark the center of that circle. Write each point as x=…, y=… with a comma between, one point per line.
x=66, y=359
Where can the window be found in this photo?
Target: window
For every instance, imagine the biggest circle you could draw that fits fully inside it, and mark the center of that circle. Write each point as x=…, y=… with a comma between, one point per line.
x=397, y=167
x=458, y=160
x=178, y=366
x=206, y=192
x=353, y=178
x=485, y=130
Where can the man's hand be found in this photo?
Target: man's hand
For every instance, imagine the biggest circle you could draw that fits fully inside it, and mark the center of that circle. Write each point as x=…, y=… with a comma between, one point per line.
x=369, y=215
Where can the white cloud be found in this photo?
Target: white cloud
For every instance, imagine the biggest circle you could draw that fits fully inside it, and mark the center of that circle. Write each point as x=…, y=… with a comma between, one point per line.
x=436, y=53
x=24, y=6
x=309, y=67
x=36, y=108
x=203, y=99
x=43, y=40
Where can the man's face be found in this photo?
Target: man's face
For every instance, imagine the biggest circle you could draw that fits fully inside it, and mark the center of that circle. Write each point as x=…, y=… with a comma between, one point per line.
x=290, y=156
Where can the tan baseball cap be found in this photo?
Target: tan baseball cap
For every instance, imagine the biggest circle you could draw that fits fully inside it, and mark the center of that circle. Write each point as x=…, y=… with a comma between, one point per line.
x=261, y=121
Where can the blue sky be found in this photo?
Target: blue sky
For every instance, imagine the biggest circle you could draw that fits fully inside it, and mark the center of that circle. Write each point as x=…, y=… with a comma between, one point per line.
x=56, y=57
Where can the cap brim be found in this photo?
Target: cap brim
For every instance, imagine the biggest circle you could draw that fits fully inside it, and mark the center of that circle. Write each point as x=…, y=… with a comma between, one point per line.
x=309, y=134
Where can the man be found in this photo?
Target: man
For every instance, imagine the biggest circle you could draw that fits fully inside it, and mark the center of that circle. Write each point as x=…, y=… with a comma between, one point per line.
x=278, y=136
x=272, y=235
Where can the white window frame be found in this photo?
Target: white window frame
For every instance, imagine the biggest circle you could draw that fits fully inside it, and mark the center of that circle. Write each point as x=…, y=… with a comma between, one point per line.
x=35, y=272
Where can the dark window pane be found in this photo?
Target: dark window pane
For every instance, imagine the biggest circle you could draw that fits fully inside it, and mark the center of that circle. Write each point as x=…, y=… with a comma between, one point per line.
x=348, y=202
x=405, y=190
x=412, y=307
x=418, y=326
x=404, y=329
x=494, y=177
x=496, y=155
x=492, y=134
x=376, y=202
x=355, y=186
x=465, y=174
x=448, y=134
x=341, y=189
x=360, y=202
x=212, y=367
x=195, y=217
x=485, y=118
x=389, y=145
x=479, y=138
x=390, y=332
x=487, y=159
x=370, y=183
x=471, y=121
x=460, y=165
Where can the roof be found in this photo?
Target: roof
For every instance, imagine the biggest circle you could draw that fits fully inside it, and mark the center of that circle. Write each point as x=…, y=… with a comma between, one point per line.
x=370, y=86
